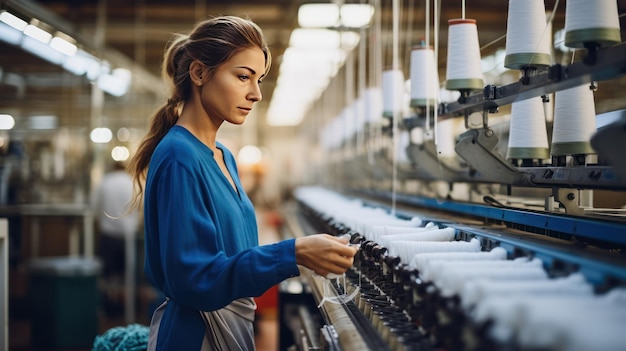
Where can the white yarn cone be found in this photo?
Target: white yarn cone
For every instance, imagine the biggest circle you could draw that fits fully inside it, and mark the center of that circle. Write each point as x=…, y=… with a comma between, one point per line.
x=393, y=92
x=574, y=121
x=528, y=135
x=527, y=35
x=424, y=77
x=594, y=21
x=463, y=66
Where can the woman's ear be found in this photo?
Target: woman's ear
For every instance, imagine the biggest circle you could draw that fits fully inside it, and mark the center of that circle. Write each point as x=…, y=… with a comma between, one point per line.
x=197, y=72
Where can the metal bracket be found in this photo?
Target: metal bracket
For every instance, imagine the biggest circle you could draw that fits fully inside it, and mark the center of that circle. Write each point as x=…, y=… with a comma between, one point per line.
x=426, y=164
x=477, y=148
x=568, y=198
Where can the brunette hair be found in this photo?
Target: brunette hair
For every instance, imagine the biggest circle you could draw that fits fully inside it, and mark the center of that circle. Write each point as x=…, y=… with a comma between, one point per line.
x=212, y=42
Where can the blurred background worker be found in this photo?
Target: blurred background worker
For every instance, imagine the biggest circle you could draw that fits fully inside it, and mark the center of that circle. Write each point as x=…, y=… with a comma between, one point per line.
x=114, y=224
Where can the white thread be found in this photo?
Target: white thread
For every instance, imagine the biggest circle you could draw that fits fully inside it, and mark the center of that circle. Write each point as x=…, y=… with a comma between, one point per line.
x=338, y=299
x=446, y=234
x=424, y=77
x=419, y=261
x=463, y=55
x=475, y=291
x=407, y=249
x=528, y=129
x=452, y=279
x=596, y=21
x=554, y=321
x=437, y=269
x=445, y=141
x=527, y=34
x=393, y=92
x=378, y=231
x=574, y=118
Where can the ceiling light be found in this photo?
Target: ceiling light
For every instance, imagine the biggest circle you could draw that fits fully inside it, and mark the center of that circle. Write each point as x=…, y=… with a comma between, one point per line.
x=6, y=121
x=332, y=16
x=249, y=155
x=13, y=20
x=10, y=34
x=42, y=50
x=42, y=122
x=63, y=45
x=120, y=153
x=318, y=15
x=101, y=135
x=356, y=15
x=37, y=33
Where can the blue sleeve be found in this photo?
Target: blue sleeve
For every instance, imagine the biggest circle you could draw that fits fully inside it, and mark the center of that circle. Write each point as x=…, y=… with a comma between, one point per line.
x=195, y=271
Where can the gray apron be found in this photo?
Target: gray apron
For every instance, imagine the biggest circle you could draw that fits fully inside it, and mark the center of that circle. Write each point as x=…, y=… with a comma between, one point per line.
x=228, y=329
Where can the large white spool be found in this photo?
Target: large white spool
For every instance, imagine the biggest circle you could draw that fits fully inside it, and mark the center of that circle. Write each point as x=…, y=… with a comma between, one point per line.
x=527, y=37
x=528, y=135
x=594, y=22
x=393, y=92
x=373, y=105
x=574, y=121
x=424, y=77
x=463, y=66
x=447, y=132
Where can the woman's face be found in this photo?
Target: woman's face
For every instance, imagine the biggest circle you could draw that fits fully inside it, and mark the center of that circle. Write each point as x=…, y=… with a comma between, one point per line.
x=231, y=92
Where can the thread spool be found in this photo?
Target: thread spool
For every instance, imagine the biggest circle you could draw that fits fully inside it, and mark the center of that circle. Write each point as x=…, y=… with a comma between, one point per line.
x=374, y=104
x=476, y=291
x=407, y=249
x=574, y=121
x=378, y=231
x=419, y=261
x=463, y=64
x=393, y=92
x=446, y=138
x=439, y=268
x=424, y=77
x=527, y=39
x=591, y=23
x=528, y=135
x=446, y=234
x=452, y=281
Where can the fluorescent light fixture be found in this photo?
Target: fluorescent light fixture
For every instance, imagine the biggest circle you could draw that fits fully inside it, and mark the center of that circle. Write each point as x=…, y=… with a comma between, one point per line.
x=42, y=50
x=81, y=63
x=331, y=15
x=13, y=20
x=116, y=83
x=101, y=135
x=37, y=33
x=120, y=153
x=318, y=15
x=356, y=15
x=6, y=121
x=42, y=122
x=62, y=45
x=10, y=34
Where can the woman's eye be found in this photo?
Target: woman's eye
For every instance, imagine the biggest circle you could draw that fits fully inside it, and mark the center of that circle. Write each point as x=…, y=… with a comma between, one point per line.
x=244, y=77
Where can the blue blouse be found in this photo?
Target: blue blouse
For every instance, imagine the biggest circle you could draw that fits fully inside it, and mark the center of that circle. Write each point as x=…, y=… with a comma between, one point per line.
x=201, y=239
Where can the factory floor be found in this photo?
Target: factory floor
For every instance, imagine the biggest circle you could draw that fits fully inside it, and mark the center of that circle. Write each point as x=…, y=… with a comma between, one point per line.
x=21, y=312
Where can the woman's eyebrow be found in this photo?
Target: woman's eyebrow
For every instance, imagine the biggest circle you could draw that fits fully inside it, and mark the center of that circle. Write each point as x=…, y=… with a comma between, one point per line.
x=251, y=70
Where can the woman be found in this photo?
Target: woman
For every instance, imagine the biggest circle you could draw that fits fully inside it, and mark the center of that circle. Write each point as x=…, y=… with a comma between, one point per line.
x=200, y=228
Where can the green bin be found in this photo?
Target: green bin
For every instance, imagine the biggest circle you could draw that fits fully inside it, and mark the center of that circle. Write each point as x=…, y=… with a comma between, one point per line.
x=64, y=302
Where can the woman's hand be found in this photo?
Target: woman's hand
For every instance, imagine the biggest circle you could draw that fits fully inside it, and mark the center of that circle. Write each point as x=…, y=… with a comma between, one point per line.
x=324, y=253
